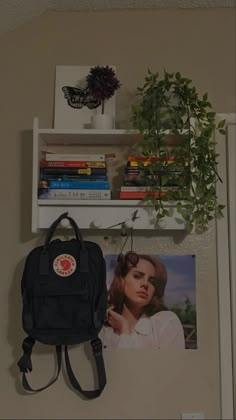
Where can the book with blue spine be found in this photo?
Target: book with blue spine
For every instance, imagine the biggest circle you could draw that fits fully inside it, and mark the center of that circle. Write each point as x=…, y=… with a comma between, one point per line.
x=97, y=185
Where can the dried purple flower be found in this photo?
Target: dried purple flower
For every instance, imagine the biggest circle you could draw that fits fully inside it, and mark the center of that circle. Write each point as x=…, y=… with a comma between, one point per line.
x=102, y=83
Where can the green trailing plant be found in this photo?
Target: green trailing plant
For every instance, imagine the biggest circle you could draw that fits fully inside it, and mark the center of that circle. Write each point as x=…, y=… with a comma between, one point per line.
x=182, y=165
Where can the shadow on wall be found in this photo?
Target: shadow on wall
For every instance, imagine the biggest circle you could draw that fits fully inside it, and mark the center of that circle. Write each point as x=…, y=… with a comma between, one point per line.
x=26, y=164
x=15, y=332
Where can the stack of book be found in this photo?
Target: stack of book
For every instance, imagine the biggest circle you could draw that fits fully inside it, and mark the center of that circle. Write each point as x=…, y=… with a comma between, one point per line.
x=140, y=181
x=73, y=177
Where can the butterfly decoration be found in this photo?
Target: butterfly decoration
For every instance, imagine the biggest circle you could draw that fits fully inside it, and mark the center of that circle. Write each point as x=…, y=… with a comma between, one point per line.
x=77, y=97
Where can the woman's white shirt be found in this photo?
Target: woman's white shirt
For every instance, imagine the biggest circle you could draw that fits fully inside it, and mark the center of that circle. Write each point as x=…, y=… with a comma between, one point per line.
x=162, y=331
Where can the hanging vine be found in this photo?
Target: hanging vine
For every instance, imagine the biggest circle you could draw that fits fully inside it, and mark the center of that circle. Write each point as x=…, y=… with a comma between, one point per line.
x=185, y=160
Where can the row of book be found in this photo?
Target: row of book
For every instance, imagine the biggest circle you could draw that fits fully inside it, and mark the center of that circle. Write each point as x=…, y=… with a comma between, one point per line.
x=85, y=177
x=141, y=178
x=74, y=176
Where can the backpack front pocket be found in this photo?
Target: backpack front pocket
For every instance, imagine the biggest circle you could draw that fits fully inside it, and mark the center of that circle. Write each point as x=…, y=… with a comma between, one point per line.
x=62, y=311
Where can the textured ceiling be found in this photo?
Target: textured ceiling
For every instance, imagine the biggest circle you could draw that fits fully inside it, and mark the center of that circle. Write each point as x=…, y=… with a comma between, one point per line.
x=14, y=13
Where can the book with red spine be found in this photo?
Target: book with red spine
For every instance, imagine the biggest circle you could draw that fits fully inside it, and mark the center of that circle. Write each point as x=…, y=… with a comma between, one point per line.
x=140, y=194
x=142, y=159
x=71, y=164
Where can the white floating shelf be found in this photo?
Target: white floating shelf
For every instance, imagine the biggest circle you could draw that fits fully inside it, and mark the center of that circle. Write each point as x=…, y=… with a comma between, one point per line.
x=88, y=136
x=112, y=203
x=95, y=214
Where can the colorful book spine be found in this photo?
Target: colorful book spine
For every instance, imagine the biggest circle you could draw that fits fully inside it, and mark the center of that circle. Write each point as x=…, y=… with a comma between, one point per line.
x=137, y=164
x=151, y=159
x=134, y=188
x=70, y=194
x=149, y=188
x=73, y=171
x=139, y=183
x=136, y=176
x=158, y=171
x=75, y=156
x=93, y=185
x=73, y=177
x=71, y=164
x=142, y=159
x=142, y=172
x=176, y=193
x=140, y=194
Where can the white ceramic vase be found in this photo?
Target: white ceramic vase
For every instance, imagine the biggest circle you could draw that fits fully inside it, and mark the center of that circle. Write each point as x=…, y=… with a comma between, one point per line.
x=102, y=121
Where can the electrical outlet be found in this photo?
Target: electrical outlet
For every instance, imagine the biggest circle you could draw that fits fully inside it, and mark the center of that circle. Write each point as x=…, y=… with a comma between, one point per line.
x=192, y=416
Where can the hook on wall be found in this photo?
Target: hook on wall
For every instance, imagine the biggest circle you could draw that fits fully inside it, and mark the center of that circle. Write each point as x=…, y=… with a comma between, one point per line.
x=127, y=224
x=123, y=230
x=65, y=223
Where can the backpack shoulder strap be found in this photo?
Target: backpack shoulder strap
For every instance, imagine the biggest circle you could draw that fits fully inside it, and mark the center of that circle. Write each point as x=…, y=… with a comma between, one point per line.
x=25, y=364
x=96, y=345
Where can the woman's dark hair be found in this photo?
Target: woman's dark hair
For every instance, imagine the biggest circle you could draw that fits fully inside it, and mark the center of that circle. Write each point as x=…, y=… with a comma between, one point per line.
x=116, y=292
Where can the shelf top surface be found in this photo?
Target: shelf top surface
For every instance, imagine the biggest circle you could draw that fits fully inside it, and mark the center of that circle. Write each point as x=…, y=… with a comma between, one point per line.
x=89, y=131
x=59, y=136
x=87, y=136
x=102, y=203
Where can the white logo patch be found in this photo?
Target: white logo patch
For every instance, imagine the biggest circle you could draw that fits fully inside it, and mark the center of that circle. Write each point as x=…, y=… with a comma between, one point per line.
x=64, y=265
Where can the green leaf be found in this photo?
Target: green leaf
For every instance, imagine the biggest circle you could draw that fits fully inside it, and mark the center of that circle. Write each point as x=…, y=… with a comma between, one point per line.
x=211, y=114
x=177, y=76
x=189, y=227
x=221, y=124
x=221, y=131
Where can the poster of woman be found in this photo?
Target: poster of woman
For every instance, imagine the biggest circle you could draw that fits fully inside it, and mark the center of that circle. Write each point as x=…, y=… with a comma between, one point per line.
x=152, y=302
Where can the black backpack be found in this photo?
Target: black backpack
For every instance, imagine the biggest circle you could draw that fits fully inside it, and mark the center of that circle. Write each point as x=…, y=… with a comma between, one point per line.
x=64, y=302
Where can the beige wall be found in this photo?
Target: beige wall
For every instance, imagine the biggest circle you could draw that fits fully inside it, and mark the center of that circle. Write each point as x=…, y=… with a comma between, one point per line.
x=201, y=45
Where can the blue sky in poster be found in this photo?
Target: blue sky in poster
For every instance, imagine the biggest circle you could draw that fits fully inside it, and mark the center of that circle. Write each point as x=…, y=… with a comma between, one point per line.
x=181, y=278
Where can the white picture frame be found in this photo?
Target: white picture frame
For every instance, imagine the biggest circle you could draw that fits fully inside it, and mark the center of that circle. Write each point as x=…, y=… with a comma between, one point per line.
x=66, y=117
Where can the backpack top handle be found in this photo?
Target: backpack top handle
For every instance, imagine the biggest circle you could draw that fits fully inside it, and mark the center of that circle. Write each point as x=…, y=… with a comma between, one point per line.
x=44, y=258
x=55, y=224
